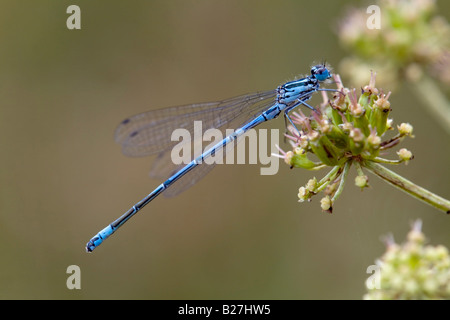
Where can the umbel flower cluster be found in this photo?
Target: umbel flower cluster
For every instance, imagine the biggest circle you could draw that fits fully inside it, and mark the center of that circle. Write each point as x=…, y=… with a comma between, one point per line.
x=412, y=270
x=347, y=131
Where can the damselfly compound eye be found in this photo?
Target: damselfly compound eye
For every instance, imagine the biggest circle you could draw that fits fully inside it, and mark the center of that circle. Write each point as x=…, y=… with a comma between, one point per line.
x=320, y=72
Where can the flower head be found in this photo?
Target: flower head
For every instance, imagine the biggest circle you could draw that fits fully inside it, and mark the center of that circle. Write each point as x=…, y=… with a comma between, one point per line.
x=349, y=130
x=412, y=270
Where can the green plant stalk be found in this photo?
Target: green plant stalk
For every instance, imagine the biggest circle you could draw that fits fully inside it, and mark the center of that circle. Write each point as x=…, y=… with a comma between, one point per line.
x=427, y=91
x=325, y=181
x=407, y=186
x=342, y=182
x=387, y=161
x=359, y=169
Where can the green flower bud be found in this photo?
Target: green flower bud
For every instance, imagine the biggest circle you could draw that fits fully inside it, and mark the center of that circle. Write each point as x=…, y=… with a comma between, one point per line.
x=299, y=159
x=405, y=129
x=326, y=204
x=380, y=113
x=303, y=194
x=405, y=155
x=311, y=185
x=362, y=181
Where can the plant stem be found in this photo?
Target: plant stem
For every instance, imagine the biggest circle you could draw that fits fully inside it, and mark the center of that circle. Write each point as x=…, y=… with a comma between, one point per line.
x=408, y=187
x=428, y=91
x=342, y=182
x=359, y=169
x=381, y=160
x=327, y=179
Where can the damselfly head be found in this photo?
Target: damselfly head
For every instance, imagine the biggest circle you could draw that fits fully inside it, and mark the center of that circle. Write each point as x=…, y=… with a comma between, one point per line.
x=320, y=72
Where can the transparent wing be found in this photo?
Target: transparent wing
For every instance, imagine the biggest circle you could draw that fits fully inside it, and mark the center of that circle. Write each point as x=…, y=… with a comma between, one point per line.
x=164, y=165
x=150, y=132
x=191, y=178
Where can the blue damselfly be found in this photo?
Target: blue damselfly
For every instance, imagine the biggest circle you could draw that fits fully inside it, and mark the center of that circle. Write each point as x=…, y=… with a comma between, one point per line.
x=149, y=133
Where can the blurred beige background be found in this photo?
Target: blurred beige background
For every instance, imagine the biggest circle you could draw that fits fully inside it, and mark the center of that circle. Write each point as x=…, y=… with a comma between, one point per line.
x=235, y=235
